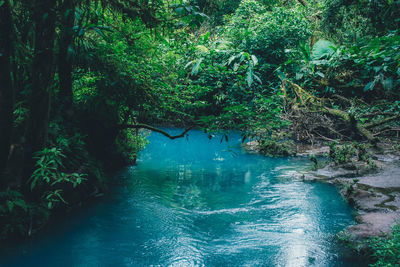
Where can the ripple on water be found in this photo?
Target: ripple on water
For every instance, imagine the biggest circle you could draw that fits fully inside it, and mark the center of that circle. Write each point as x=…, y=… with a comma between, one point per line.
x=199, y=202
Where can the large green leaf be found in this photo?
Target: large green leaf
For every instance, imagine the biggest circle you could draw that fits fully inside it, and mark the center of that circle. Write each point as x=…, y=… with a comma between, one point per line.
x=323, y=49
x=202, y=49
x=196, y=66
x=249, y=76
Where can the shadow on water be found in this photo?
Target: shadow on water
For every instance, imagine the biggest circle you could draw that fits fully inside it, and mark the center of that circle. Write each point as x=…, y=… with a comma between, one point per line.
x=199, y=202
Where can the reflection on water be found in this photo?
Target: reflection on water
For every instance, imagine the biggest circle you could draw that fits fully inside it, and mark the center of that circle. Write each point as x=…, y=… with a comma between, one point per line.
x=199, y=202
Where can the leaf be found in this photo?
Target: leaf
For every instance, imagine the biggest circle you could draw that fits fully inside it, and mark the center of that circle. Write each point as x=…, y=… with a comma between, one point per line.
x=254, y=59
x=323, y=49
x=196, y=66
x=249, y=77
x=305, y=51
x=81, y=32
x=10, y=205
x=232, y=58
x=78, y=14
x=189, y=63
x=280, y=74
x=21, y=203
x=387, y=83
x=369, y=86
x=33, y=184
x=299, y=75
x=59, y=195
x=206, y=36
x=100, y=32
x=257, y=79
x=202, y=48
x=180, y=10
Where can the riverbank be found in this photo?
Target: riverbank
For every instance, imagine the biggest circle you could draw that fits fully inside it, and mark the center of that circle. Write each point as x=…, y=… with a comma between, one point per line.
x=374, y=192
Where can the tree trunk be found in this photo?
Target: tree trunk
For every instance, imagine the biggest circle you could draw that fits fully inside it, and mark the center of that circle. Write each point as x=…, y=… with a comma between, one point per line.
x=65, y=59
x=6, y=89
x=44, y=17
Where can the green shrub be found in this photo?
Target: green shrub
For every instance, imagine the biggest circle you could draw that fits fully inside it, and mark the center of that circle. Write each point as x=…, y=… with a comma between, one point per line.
x=277, y=144
x=130, y=143
x=277, y=148
x=341, y=154
x=48, y=176
x=386, y=250
x=14, y=213
x=267, y=34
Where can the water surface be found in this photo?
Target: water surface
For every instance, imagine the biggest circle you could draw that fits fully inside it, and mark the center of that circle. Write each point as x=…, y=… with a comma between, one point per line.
x=198, y=202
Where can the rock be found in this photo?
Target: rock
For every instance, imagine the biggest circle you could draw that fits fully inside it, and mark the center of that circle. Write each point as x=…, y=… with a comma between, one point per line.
x=372, y=224
x=252, y=146
x=306, y=150
x=329, y=172
x=388, y=178
x=394, y=202
x=374, y=192
x=369, y=201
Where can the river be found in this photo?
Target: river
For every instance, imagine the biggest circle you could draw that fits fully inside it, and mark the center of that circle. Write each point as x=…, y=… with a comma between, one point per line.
x=198, y=202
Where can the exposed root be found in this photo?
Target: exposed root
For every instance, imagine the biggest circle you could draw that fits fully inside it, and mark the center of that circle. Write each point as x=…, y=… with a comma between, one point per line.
x=313, y=117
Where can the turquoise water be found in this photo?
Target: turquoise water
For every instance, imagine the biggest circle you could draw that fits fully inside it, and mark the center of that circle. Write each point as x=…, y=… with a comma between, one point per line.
x=198, y=202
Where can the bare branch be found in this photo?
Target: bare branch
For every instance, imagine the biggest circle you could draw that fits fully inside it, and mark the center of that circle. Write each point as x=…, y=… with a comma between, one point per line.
x=154, y=129
x=381, y=122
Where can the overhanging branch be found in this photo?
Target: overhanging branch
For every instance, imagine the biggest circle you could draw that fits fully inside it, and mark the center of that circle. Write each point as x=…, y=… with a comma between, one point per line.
x=154, y=129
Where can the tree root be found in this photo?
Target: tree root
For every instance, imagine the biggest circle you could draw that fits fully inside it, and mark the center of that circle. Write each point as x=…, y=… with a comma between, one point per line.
x=305, y=102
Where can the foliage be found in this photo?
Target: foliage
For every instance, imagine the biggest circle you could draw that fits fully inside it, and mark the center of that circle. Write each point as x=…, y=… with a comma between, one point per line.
x=267, y=34
x=131, y=143
x=274, y=147
x=14, y=212
x=349, y=153
x=386, y=250
x=358, y=70
x=322, y=49
x=350, y=21
x=48, y=175
x=341, y=154
x=379, y=59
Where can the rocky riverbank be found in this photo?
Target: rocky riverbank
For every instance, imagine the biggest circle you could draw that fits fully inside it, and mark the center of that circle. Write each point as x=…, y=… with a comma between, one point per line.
x=374, y=191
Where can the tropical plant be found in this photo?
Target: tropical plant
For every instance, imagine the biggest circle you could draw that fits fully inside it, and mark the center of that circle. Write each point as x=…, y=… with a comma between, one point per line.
x=386, y=250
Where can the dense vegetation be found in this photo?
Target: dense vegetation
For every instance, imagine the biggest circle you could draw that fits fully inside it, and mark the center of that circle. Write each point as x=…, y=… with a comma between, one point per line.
x=79, y=79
